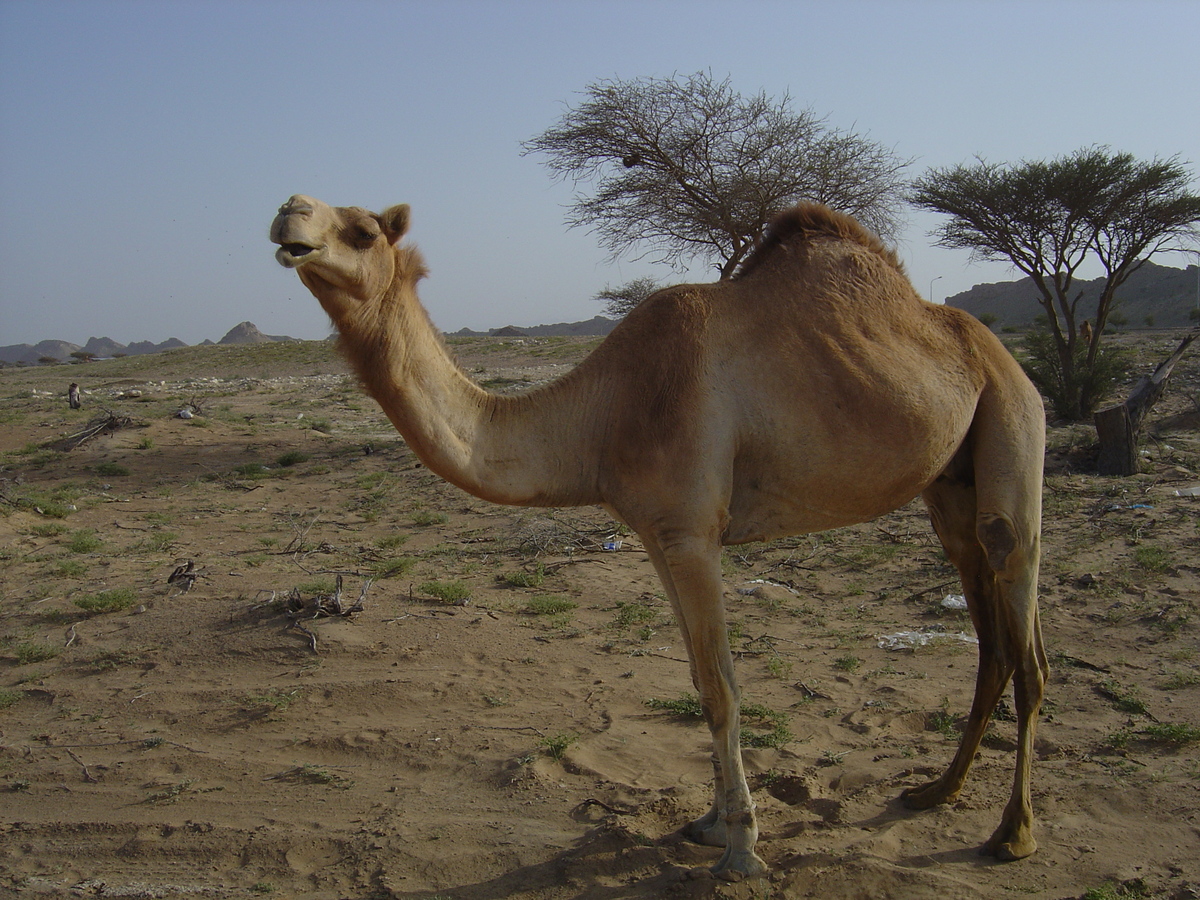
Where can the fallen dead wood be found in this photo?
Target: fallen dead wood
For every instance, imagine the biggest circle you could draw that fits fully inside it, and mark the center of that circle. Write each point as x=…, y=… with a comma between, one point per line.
x=108, y=423
x=319, y=606
x=185, y=576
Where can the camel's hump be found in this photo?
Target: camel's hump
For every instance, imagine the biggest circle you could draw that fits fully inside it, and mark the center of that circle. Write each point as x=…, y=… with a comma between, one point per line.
x=808, y=221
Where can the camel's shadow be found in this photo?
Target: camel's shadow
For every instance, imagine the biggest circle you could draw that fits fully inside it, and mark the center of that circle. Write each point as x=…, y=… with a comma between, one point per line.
x=611, y=862
x=608, y=862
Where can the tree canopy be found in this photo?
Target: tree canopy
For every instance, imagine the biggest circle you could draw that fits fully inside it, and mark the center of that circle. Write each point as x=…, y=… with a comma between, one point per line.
x=619, y=301
x=687, y=167
x=1048, y=218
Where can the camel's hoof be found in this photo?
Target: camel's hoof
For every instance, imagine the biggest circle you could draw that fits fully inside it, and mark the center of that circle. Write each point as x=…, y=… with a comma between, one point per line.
x=1008, y=850
x=737, y=866
x=926, y=796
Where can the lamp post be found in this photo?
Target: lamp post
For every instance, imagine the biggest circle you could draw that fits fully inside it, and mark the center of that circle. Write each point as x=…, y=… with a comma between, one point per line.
x=931, y=281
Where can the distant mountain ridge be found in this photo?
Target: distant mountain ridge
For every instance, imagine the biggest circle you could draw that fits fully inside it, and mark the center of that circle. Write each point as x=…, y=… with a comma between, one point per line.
x=1154, y=296
x=597, y=326
x=102, y=347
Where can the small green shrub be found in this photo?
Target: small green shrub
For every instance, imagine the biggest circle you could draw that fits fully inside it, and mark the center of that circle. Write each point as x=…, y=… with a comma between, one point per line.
x=84, y=541
x=455, y=593
x=251, y=470
x=549, y=605
x=557, y=744
x=630, y=613
x=9, y=697
x=111, y=470
x=1123, y=698
x=31, y=652
x=1152, y=559
x=777, y=732
x=1177, y=680
x=943, y=722
x=276, y=699
x=158, y=541
x=687, y=706
x=1171, y=733
x=1110, y=890
x=292, y=458
x=847, y=663
x=525, y=579
x=49, y=529
x=317, y=586
x=1075, y=398
x=113, y=600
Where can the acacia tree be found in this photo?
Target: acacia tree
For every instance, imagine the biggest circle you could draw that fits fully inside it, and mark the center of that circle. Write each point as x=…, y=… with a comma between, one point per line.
x=1047, y=218
x=688, y=167
x=619, y=301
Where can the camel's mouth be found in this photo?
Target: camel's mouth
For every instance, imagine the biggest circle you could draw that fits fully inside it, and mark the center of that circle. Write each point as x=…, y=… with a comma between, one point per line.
x=296, y=254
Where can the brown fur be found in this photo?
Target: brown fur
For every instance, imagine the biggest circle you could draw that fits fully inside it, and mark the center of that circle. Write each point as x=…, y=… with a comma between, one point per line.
x=815, y=389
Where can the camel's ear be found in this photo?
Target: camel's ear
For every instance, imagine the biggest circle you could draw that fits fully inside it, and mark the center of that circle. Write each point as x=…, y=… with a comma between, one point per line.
x=395, y=222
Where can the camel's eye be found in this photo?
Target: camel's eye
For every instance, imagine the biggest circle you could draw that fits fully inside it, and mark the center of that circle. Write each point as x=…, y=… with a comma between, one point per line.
x=366, y=232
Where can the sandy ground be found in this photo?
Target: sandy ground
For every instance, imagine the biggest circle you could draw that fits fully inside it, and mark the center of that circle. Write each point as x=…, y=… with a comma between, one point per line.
x=506, y=715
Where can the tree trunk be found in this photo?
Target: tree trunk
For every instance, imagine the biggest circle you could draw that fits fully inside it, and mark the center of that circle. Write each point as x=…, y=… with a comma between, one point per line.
x=1118, y=426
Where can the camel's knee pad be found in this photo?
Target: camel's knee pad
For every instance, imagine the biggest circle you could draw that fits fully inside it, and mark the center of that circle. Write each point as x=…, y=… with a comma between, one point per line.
x=999, y=539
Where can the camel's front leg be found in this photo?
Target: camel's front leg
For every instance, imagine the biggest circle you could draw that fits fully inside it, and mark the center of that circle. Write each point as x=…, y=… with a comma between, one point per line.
x=690, y=572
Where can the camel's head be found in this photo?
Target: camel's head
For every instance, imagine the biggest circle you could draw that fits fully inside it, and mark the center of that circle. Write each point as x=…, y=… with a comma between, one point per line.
x=342, y=254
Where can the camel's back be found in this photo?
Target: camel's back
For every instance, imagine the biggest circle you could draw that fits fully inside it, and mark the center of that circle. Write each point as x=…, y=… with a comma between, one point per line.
x=821, y=288
x=821, y=305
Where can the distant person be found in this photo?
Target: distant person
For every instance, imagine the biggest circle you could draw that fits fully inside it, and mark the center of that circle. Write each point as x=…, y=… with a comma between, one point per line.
x=73, y=396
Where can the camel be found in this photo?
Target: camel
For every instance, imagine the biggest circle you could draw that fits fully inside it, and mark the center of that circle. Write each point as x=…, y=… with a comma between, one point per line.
x=812, y=390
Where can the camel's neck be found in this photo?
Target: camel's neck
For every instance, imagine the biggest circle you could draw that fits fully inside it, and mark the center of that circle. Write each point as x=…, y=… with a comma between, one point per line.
x=532, y=450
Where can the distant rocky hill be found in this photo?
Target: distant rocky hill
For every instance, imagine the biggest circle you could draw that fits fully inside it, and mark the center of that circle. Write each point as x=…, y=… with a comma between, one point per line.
x=248, y=333
x=101, y=347
x=597, y=326
x=1154, y=297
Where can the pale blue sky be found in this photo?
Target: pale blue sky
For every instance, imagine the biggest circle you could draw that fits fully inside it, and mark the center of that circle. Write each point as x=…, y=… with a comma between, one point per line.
x=144, y=146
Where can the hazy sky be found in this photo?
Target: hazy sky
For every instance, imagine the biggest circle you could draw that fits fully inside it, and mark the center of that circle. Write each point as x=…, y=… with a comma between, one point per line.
x=145, y=146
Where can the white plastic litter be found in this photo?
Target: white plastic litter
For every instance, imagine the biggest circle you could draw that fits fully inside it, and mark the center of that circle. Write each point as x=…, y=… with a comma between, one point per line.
x=954, y=601
x=1193, y=491
x=749, y=591
x=911, y=640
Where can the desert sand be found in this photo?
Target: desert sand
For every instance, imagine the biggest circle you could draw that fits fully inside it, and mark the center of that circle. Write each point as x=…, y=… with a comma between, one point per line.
x=506, y=714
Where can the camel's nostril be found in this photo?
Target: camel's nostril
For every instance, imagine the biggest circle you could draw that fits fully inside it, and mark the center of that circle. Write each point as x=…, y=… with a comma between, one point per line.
x=296, y=206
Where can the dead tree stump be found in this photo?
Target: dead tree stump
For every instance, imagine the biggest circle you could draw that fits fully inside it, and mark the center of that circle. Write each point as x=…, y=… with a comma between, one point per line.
x=1118, y=427
x=1118, y=441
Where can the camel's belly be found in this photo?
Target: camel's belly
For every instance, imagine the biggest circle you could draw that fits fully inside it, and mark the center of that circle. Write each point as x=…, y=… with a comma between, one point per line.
x=761, y=517
x=806, y=497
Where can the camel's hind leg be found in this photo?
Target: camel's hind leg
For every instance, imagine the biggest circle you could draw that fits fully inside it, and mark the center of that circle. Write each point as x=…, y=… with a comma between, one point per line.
x=952, y=509
x=991, y=533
